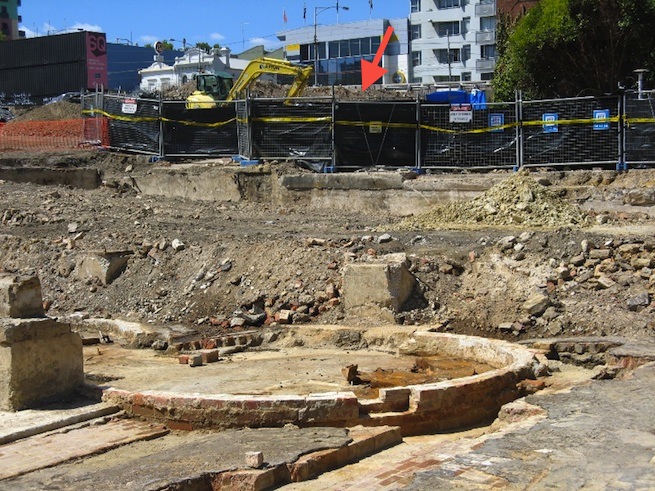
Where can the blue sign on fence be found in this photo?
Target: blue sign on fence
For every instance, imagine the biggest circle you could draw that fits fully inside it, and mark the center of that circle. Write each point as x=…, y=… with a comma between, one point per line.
x=601, y=119
x=496, y=119
x=550, y=122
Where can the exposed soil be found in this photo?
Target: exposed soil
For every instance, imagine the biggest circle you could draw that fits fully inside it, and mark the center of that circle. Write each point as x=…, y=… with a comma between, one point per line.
x=238, y=265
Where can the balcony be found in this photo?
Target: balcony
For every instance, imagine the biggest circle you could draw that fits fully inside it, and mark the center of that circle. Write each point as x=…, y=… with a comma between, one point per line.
x=485, y=37
x=485, y=64
x=485, y=9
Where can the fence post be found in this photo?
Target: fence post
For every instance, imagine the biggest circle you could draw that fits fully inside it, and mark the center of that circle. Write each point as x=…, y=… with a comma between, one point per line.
x=332, y=130
x=417, y=157
x=161, y=126
x=518, y=98
x=622, y=102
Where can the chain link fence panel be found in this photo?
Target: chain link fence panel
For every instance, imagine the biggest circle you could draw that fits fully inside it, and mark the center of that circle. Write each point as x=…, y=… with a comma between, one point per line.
x=640, y=129
x=301, y=130
x=465, y=136
x=134, y=124
x=570, y=132
x=369, y=134
x=199, y=132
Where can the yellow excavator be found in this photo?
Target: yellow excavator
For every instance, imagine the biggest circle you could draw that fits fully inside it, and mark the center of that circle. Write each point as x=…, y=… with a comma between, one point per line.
x=219, y=86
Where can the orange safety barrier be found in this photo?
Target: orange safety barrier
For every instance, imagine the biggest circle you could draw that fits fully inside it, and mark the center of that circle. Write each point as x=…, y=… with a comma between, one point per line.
x=66, y=134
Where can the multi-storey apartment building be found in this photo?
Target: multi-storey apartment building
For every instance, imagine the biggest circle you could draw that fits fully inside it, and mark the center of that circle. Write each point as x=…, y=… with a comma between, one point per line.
x=452, y=40
x=9, y=19
x=336, y=50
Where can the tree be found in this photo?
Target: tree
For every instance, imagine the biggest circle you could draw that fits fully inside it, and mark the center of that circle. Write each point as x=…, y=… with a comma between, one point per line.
x=204, y=46
x=575, y=47
x=166, y=45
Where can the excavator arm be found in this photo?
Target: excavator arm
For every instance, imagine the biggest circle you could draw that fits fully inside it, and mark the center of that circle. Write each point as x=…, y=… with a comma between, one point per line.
x=260, y=66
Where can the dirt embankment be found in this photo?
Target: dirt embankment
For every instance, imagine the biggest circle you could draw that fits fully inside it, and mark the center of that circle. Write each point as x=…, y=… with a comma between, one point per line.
x=237, y=265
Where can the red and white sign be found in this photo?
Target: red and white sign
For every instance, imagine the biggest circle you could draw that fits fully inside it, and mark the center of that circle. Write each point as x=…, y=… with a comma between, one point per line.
x=129, y=106
x=461, y=113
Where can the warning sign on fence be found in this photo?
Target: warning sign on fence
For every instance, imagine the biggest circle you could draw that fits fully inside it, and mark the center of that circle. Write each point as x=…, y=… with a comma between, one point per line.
x=461, y=113
x=129, y=106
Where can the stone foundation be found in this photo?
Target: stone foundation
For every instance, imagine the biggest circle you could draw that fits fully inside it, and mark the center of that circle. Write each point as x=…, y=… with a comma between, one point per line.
x=40, y=361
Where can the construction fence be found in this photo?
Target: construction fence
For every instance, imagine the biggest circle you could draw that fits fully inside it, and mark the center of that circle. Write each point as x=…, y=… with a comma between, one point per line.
x=332, y=135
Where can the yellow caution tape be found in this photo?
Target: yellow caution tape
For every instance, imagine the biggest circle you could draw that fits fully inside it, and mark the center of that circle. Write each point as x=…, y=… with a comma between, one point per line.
x=640, y=120
x=369, y=124
x=153, y=119
x=323, y=119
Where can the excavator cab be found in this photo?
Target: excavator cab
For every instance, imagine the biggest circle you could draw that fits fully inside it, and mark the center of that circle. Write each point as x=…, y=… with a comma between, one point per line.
x=220, y=86
x=210, y=87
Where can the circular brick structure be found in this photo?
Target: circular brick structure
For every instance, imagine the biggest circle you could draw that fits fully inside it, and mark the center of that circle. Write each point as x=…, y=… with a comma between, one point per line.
x=417, y=409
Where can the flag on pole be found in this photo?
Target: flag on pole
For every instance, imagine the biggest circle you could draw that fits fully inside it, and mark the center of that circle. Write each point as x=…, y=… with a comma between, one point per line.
x=284, y=16
x=304, y=11
x=370, y=4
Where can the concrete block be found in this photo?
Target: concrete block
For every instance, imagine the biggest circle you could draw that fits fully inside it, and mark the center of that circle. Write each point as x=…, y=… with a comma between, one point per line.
x=255, y=460
x=40, y=361
x=385, y=282
x=209, y=355
x=20, y=296
x=106, y=266
x=195, y=360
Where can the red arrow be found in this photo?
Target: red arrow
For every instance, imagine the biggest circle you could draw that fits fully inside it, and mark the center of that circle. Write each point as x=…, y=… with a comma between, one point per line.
x=372, y=71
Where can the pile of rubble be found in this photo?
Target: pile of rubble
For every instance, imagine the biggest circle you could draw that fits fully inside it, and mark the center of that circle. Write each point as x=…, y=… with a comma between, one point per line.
x=519, y=201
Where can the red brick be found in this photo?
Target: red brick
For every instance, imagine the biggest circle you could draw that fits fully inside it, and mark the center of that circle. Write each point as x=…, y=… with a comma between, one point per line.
x=179, y=425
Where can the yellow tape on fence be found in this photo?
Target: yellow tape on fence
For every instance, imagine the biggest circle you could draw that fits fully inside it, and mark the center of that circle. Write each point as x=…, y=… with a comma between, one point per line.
x=411, y=126
x=134, y=119
x=563, y=122
x=369, y=124
x=640, y=120
x=322, y=119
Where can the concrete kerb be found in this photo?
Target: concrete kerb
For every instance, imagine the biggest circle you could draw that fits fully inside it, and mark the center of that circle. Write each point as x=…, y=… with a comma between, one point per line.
x=441, y=406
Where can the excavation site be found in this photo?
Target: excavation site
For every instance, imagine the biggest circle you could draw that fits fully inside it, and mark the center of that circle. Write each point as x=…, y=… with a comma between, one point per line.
x=204, y=324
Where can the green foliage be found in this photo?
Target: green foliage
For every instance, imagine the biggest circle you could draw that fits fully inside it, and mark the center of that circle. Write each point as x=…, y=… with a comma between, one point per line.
x=565, y=48
x=2, y=36
x=204, y=46
x=167, y=45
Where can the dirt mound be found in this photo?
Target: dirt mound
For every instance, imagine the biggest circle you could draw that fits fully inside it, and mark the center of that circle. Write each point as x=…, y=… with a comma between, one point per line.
x=273, y=90
x=269, y=89
x=519, y=201
x=179, y=93
x=51, y=112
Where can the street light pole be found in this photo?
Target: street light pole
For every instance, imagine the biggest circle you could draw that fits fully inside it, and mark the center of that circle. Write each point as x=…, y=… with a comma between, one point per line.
x=318, y=10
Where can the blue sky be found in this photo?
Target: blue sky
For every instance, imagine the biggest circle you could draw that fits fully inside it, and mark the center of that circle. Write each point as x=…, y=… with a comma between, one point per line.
x=238, y=24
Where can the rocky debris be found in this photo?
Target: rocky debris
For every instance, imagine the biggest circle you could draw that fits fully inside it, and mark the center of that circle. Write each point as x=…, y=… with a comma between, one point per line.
x=518, y=201
x=244, y=263
x=20, y=296
x=103, y=265
x=383, y=282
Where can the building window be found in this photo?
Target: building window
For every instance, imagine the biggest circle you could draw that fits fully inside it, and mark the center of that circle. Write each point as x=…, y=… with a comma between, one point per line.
x=448, y=29
x=487, y=23
x=448, y=4
x=488, y=51
x=415, y=31
x=415, y=6
x=445, y=78
x=442, y=55
x=416, y=58
x=486, y=76
x=466, y=52
x=466, y=76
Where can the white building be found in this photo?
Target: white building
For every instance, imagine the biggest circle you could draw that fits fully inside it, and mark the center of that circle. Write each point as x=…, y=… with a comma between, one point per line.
x=452, y=40
x=160, y=75
x=336, y=50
